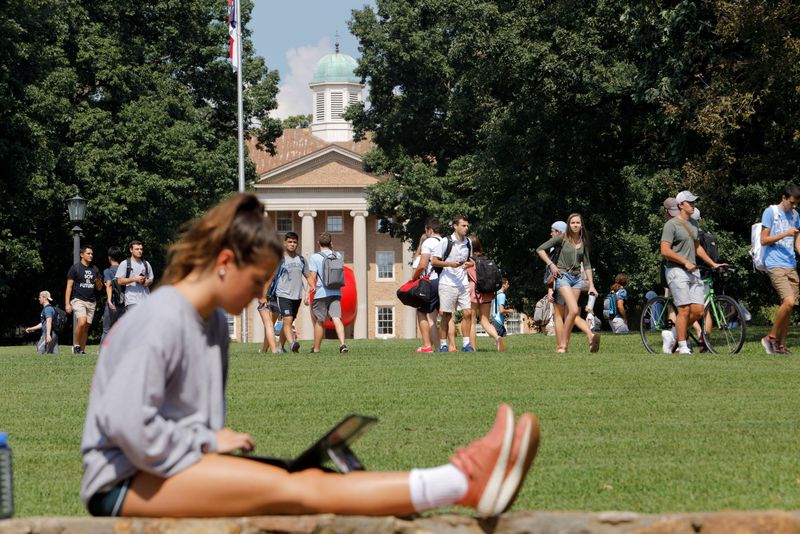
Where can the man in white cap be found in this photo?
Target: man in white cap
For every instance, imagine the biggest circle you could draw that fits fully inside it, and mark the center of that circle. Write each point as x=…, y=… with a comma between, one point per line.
x=48, y=343
x=680, y=248
x=556, y=323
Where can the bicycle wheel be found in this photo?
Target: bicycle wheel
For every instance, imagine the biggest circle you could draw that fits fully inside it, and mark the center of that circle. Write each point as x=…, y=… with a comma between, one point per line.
x=655, y=319
x=724, y=327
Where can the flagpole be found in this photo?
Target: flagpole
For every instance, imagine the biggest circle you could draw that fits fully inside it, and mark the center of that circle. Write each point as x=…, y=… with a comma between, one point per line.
x=240, y=109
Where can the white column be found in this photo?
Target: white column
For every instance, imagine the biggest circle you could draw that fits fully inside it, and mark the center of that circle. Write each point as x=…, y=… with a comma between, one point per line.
x=409, y=313
x=305, y=329
x=360, y=270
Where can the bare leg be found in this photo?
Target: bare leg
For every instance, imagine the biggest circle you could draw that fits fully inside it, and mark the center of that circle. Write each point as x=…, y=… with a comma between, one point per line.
x=580, y=322
x=467, y=318
x=571, y=306
x=488, y=325
x=434, y=328
x=81, y=331
x=287, y=329
x=227, y=486
x=473, y=326
x=424, y=328
x=339, y=326
x=558, y=324
x=447, y=328
x=269, y=331
x=682, y=323
x=319, y=332
x=780, y=325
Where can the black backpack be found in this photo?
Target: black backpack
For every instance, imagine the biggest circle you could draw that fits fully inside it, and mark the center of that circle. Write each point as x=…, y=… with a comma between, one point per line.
x=488, y=276
x=128, y=271
x=117, y=294
x=449, y=249
x=59, y=319
x=709, y=243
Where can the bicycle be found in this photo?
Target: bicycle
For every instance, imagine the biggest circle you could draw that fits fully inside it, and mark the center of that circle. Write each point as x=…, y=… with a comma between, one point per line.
x=723, y=326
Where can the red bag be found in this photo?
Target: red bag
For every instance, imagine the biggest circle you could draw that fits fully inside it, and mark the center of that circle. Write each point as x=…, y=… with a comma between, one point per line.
x=416, y=293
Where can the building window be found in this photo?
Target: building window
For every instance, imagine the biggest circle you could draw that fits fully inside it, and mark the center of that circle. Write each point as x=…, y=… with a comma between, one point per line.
x=353, y=98
x=319, y=110
x=385, y=261
x=337, y=105
x=385, y=322
x=231, y=324
x=284, y=222
x=335, y=224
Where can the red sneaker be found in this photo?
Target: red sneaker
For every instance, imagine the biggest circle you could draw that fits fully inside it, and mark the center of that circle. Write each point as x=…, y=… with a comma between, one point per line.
x=425, y=349
x=484, y=462
x=526, y=443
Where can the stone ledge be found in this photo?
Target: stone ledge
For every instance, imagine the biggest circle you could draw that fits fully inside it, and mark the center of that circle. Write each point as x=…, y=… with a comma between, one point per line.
x=519, y=522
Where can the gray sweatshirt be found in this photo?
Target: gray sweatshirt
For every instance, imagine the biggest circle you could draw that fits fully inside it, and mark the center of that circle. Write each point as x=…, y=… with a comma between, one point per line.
x=158, y=396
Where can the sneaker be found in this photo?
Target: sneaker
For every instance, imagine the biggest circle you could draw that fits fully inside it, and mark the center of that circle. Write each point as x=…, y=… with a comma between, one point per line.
x=667, y=341
x=312, y=351
x=467, y=348
x=280, y=350
x=770, y=344
x=443, y=348
x=594, y=344
x=484, y=463
x=684, y=350
x=781, y=349
x=343, y=348
x=76, y=349
x=501, y=346
x=295, y=346
x=425, y=349
x=523, y=450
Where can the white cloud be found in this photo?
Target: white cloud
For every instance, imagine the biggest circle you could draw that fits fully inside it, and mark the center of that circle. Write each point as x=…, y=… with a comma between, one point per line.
x=294, y=96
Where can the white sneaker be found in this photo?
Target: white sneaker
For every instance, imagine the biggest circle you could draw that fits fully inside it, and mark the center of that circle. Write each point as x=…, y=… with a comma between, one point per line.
x=684, y=350
x=668, y=341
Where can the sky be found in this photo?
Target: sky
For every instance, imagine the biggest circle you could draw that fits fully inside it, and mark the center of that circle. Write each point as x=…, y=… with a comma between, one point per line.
x=293, y=35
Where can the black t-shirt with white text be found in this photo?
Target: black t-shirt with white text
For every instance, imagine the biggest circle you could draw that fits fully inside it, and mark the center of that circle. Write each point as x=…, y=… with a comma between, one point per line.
x=85, y=279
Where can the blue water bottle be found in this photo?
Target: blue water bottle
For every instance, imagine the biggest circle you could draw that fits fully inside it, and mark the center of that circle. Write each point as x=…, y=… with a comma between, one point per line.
x=6, y=481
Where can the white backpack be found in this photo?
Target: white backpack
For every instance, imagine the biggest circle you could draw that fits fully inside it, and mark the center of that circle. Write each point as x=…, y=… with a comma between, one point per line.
x=757, y=251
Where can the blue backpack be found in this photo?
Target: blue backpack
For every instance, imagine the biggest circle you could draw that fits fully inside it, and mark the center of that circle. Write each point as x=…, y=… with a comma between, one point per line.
x=610, y=306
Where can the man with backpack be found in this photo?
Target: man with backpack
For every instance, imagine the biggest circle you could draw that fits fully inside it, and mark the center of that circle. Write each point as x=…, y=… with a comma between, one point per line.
x=135, y=275
x=780, y=225
x=49, y=325
x=289, y=281
x=453, y=259
x=325, y=280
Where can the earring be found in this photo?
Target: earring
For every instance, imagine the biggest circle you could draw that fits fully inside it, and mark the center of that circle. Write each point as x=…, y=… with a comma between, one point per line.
x=222, y=272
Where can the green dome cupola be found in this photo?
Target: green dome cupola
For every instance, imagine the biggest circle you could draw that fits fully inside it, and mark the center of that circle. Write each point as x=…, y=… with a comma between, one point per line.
x=336, y=67
x=335, y=87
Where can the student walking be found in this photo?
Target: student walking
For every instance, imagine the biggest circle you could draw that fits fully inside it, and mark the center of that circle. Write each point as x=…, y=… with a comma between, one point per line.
x=680, y=248
x=327, y=299
x=780, y=227
x=573, y=260
x=290, y=288
x=111, y=313
x=48, y=343
x=83, y=282
x=481, y=303
x=155, y=442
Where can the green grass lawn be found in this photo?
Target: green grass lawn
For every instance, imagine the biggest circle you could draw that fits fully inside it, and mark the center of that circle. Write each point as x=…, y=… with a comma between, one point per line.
x=621, y=430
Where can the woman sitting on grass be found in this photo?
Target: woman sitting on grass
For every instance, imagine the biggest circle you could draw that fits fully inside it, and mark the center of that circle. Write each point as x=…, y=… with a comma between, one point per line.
x=154, y=439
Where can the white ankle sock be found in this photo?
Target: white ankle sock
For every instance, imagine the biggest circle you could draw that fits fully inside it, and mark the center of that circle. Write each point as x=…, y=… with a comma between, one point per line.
x=682, y=345
x=443, y=343
x=464, y=341
x=436, y=487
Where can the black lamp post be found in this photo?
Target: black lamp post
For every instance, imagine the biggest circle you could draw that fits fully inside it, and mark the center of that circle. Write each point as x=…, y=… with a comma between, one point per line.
x=76, y=207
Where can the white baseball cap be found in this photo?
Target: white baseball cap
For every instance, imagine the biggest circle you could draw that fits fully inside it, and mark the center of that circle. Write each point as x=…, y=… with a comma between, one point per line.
x=685, y=196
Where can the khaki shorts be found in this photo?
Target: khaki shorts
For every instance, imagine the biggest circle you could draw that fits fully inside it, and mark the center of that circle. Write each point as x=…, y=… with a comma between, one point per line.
x=81, y=308
x=786, y=282
x=451, y=297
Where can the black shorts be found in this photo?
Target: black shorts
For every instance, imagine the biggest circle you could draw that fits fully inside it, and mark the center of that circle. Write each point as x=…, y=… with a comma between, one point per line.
x=109, y=503
x=288, y=307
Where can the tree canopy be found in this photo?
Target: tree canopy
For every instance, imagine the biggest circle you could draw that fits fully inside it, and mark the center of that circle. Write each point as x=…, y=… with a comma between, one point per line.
x=518, y=113
x=133, y=104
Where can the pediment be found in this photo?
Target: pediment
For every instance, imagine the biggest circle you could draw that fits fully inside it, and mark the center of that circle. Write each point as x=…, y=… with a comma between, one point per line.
x=330, y=167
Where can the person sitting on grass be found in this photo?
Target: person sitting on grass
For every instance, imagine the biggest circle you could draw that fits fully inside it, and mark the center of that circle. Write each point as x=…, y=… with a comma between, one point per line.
x=155, y=441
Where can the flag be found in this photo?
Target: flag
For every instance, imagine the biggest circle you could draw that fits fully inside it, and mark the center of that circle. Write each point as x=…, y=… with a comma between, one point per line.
x=232, y=22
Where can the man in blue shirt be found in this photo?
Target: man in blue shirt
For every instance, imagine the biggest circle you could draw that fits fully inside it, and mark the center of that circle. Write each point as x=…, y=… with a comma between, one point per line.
x=780, y=225
x=48, y=343
x=327, y=302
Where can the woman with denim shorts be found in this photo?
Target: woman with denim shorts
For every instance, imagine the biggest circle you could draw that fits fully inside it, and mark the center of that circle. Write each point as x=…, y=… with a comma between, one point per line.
x=572, y=261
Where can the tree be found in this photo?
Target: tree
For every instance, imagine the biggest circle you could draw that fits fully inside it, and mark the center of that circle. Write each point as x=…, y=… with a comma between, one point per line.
x=297, y=121
x=519, y=113
x=133, y=105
